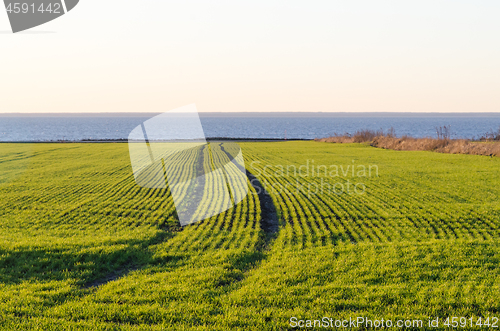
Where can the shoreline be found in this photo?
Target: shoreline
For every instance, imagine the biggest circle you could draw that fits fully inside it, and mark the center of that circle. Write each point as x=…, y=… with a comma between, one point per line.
x=100, y=141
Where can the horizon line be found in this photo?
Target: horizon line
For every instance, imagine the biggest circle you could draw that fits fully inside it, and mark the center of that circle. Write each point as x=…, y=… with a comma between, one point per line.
x=242, y=114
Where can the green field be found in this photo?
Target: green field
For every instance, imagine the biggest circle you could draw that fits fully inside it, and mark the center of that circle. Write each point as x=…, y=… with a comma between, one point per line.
x=83, y=247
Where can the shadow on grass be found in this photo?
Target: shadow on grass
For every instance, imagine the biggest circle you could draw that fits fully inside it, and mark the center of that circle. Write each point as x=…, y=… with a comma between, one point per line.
x=95, y=266
x=90, y=266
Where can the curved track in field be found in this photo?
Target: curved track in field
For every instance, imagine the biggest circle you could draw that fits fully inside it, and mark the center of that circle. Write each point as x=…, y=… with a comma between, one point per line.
x=269, y=216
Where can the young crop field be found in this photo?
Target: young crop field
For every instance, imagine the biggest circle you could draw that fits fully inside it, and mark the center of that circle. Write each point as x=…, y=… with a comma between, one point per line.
x=360, y=231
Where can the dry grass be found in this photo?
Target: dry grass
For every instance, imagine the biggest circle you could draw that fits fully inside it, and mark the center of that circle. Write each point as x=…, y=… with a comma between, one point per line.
x=453, y=146
x=443, y=145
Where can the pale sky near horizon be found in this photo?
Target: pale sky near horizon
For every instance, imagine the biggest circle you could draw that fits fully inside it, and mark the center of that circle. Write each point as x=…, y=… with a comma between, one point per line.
x=329, y=56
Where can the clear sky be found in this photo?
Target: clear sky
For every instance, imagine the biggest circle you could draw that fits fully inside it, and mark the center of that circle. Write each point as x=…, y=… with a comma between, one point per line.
x=340, y=56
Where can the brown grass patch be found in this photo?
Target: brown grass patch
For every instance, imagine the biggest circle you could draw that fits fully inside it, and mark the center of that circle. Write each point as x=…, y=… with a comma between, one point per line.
x=405, y=143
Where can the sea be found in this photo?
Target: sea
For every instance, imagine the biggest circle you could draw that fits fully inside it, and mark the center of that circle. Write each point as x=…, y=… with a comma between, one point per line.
x=117, y=126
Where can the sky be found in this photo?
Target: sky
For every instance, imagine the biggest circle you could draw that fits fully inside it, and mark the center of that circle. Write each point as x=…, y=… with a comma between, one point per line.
x=256, y=56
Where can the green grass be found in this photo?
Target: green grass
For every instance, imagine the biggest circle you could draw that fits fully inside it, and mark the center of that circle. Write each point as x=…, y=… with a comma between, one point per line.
x=83, y=247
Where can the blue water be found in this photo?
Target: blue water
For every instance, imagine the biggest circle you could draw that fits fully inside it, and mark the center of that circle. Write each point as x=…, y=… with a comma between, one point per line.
x=29, y=128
